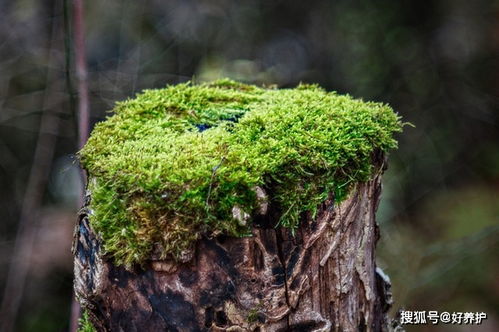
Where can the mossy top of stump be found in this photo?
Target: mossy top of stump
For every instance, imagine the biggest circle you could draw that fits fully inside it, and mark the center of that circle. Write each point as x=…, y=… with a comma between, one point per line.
x=188, y=160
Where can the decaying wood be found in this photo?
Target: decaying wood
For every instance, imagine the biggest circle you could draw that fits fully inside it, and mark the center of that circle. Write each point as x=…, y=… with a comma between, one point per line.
x=323, y=278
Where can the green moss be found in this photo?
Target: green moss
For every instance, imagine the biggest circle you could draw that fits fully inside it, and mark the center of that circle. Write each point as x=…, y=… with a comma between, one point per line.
x=253, y=313
x=171, y=164
x=84, y=324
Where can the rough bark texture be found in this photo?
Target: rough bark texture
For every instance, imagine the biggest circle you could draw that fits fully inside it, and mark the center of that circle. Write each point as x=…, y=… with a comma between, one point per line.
x=323, y=278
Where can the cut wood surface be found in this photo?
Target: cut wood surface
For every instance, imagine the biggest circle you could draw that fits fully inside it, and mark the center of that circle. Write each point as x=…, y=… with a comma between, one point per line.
x=322, y=278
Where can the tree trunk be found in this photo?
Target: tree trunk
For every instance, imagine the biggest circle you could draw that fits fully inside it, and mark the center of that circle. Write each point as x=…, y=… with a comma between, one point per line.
x=323, y=278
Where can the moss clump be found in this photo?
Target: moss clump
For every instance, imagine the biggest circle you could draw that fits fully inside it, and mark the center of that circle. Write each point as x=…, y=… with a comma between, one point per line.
x=84, y=324
x=173, y=163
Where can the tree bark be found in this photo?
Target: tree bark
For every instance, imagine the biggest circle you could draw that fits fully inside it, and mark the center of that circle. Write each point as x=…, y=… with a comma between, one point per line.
x=323, y=278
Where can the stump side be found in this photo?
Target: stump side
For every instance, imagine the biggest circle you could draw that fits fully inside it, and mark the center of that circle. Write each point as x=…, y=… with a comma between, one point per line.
x=323, y=278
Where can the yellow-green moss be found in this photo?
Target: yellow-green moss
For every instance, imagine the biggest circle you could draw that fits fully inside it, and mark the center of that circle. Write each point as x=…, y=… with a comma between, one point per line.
x=171, y=164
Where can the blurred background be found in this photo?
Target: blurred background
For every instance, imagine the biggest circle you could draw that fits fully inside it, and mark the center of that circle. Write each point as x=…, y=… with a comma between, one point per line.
x=435, y=62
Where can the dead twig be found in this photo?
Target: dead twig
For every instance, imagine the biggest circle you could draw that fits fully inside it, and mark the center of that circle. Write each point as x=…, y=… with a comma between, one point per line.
x=83, y=110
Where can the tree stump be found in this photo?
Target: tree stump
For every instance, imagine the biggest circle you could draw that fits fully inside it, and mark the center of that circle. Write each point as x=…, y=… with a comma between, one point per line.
x=316, y=274
x=323, y=278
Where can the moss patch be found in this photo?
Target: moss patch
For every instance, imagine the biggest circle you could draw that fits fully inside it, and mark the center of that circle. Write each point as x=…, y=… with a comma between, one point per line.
x=171, y=164
x=84, y=324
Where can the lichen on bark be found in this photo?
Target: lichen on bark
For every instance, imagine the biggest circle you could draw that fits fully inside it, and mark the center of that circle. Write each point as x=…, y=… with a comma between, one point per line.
x=189, y=160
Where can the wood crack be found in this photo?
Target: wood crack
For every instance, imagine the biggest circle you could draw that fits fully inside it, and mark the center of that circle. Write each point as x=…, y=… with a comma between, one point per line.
x=283, y=264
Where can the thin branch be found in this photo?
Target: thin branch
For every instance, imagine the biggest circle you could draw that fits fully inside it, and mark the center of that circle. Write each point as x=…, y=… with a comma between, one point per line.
x=83, y=110
x=75, y=306
x=68, y=60
x=81, y=72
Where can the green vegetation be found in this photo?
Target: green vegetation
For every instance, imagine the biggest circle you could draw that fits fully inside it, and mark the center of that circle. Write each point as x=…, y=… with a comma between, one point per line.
x=84, y=323
x=253, y=313
x=172, y=164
